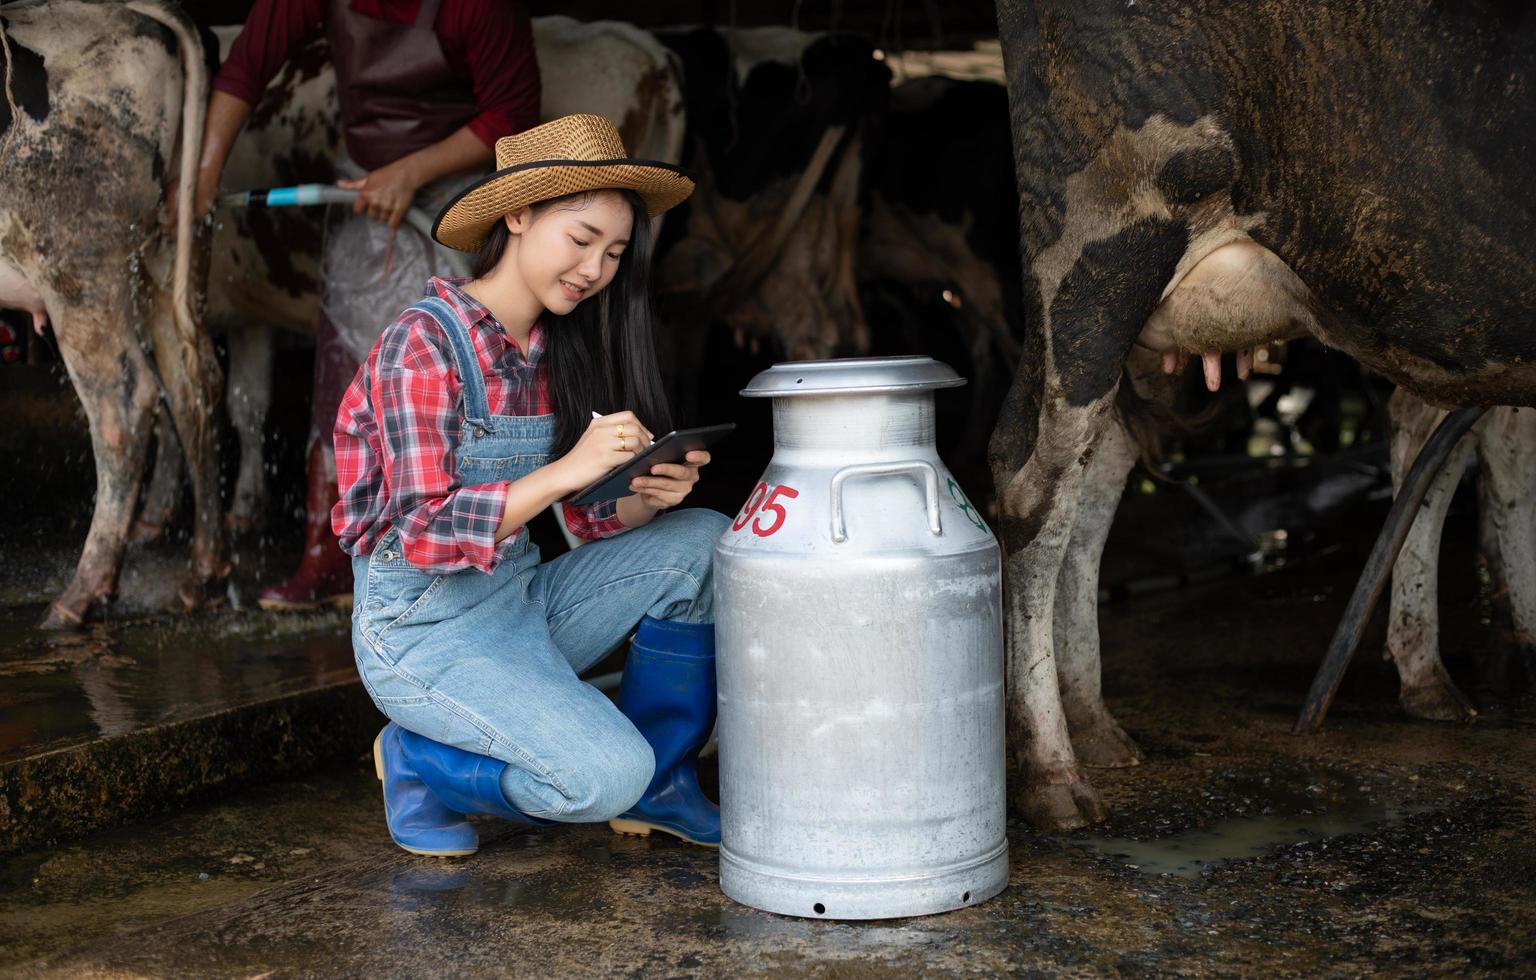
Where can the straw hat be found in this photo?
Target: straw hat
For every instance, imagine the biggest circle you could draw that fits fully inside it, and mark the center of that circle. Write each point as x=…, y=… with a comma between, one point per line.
x=564, y=156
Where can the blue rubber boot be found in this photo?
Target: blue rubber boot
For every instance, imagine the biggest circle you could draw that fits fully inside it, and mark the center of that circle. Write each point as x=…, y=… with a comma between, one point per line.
x=417, y=819
x=461, y=780
x=668, y=692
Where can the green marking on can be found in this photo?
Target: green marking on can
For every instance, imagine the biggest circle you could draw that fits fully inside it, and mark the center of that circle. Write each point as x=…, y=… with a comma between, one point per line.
x=958, y=496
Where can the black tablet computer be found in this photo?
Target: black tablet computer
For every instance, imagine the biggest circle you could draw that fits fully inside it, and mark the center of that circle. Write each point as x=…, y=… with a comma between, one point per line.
x=670, y=448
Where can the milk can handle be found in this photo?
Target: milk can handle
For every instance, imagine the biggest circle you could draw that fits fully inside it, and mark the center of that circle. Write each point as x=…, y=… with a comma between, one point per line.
x=930, y=483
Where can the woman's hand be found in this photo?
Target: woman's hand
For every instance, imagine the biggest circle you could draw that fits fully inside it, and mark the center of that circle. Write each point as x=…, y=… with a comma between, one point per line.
x=609, y=441
x=387, y=192
x=669, y=483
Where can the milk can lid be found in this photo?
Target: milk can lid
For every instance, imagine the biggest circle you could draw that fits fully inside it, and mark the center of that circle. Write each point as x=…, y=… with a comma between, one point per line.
x=852, y=375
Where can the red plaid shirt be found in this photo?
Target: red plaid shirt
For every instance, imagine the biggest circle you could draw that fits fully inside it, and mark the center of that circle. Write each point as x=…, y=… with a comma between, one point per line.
x=398, y=428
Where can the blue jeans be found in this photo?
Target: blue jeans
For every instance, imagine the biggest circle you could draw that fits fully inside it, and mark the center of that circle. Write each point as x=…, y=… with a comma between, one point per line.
x=489, y=663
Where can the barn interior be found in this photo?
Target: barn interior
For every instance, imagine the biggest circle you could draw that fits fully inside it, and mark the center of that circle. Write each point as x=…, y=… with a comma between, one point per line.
x=192, y=794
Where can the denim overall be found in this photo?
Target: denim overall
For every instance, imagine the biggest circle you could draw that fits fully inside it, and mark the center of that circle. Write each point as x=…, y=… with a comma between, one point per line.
x=488, y=663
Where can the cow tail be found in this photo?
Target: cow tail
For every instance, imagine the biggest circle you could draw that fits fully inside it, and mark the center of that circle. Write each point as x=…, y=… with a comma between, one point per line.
x=10, y=98
x=194, y=109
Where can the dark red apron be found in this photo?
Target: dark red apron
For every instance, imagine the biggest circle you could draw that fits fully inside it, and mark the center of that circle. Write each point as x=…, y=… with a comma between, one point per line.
x=398, y=93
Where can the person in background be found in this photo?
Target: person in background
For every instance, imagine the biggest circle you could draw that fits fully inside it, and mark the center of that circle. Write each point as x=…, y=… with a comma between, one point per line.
x=426, y=87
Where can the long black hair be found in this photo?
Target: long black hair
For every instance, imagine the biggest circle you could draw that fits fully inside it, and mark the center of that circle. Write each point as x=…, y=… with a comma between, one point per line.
x=600, y=357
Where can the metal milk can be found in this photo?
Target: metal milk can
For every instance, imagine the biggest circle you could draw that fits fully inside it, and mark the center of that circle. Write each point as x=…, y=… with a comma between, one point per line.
x=859, y=637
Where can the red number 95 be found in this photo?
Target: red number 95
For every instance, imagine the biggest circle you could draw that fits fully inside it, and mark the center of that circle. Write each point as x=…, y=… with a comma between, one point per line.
x=766, y=500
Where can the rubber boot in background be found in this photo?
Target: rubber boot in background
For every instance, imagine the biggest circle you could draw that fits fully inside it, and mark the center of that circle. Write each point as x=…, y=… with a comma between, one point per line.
x=324, y=575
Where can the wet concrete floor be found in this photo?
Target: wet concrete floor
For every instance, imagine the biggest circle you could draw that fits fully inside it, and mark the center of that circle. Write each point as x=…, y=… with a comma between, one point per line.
x=133, y=664
x=1382, y=845
x=62, y=688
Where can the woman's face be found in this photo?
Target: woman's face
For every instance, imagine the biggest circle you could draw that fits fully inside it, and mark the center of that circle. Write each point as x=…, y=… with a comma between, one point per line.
x=570, y=251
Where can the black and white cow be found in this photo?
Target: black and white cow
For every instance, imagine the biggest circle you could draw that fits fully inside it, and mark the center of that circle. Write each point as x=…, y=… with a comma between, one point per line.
x=263, y=271
x=110, y=105
x=1198, y=177
x=1503, y=447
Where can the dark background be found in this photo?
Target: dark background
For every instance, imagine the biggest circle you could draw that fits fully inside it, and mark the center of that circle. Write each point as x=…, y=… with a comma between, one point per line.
x=898, y=24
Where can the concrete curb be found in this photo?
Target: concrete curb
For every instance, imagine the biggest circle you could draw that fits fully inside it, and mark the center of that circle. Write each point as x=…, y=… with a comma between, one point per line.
x=65, y=793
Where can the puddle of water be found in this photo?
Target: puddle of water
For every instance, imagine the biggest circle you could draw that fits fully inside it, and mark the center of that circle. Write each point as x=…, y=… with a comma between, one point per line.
x=1189, y=854
x=460, y=886
x=110, y=678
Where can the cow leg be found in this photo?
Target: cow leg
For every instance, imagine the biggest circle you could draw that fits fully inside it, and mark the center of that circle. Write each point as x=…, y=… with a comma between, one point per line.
x=1413, y=631
x=247, y=401
x=1097, y=740
x=1488, y=555
x=1039, y=504
x=1506, y=448
x=190, y=374
x=164, y=491
x=118, y=392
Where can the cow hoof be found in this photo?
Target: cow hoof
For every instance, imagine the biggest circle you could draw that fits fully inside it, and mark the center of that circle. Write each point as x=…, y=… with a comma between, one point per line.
x=204, y=592
x=1104, y=745
x=1060, y=806
x=1437, y=700
x=196, y=597
x=62, y=617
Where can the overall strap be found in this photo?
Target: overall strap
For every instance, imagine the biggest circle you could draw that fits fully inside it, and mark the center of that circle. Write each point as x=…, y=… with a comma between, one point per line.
x=477, y=410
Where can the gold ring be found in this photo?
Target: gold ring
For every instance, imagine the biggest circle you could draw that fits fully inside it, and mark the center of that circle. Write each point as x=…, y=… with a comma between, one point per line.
x=623, y=446
x=621, y=430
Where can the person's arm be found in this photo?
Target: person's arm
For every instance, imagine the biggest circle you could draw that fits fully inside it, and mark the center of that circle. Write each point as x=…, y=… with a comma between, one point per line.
x=528, y=496
x=388, y=191
x=493, y=40
x=443, y=526
x=272, y=30
x=633, y=511
x=667, y=486
x=446, y=527
x=226, y=116
x=595, y=453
